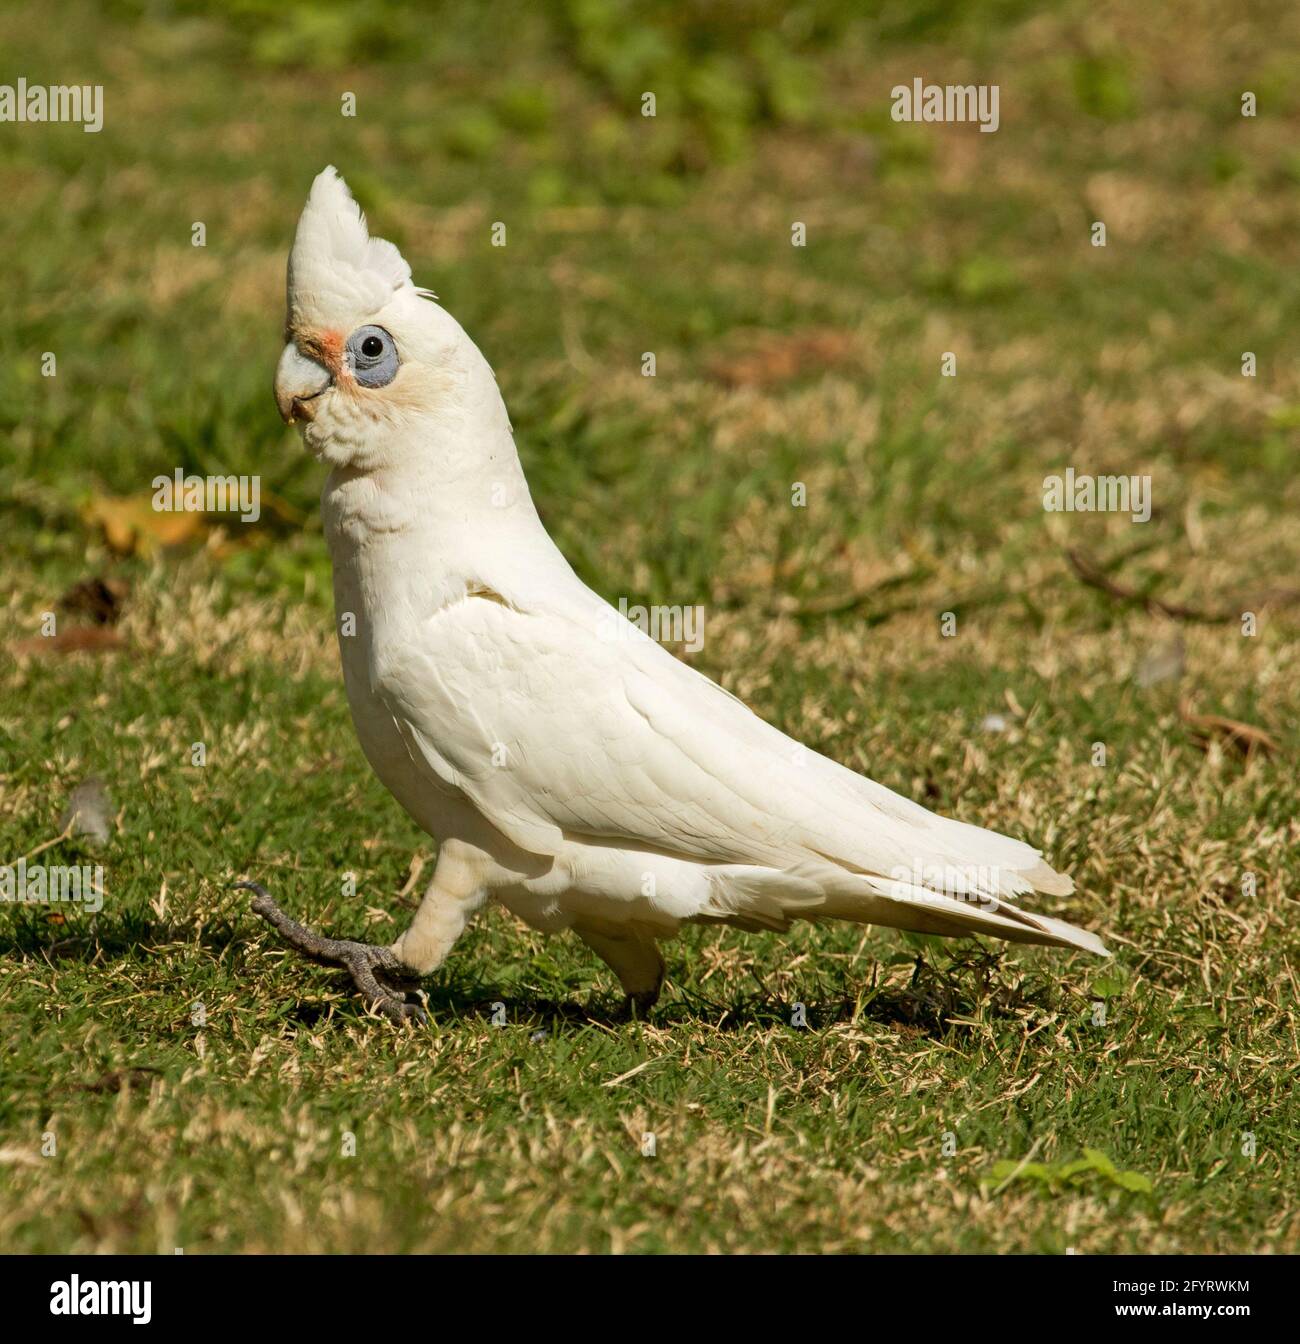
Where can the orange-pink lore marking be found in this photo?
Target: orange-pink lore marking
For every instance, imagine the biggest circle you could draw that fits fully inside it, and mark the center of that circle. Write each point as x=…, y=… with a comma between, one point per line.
x=327, y=346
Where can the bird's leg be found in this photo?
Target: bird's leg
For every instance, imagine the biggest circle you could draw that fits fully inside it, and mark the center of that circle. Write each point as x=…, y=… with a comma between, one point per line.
x=449, y=902
x=376, y=971
x=634, y=958
x=383, y=974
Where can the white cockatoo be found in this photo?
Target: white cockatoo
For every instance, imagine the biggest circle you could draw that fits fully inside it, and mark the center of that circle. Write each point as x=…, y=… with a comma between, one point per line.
x=568, y=766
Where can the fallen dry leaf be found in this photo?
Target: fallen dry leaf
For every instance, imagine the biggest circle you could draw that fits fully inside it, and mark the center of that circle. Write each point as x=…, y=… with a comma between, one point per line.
x=80, y=639
x=130, y=523
x=772, y=359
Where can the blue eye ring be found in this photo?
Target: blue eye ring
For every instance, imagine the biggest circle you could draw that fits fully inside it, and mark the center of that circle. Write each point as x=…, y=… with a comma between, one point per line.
x=372, y=356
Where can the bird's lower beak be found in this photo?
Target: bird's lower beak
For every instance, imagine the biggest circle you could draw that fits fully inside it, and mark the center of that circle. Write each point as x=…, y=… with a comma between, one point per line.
x=298, y=380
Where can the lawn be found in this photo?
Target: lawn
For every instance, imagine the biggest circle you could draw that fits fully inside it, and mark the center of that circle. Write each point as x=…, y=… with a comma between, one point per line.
x=173, y=1077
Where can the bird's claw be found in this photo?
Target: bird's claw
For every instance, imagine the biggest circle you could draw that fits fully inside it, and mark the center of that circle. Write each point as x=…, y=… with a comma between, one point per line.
x=376, y=971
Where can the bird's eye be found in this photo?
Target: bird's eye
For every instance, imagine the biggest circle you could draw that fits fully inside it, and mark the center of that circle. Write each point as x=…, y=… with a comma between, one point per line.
x=372, y=356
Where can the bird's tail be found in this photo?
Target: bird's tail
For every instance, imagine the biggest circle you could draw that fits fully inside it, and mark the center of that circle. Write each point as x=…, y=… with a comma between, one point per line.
x=921, y=909
x=952, y=904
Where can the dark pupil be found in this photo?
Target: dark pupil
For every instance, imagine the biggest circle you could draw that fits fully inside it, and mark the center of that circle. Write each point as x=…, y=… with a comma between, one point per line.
x=372, y=347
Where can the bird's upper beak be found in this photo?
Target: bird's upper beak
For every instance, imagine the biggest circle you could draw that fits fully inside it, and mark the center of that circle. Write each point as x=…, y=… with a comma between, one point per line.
x=298, y=380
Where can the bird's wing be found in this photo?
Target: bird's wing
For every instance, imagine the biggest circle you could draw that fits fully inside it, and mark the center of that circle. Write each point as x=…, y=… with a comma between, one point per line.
x=555, y=732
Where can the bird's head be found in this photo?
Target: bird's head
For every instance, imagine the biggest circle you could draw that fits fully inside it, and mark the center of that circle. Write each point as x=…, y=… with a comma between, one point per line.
x=368, y=356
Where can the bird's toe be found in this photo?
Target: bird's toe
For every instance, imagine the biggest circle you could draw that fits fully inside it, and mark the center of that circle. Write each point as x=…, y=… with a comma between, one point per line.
x=378, y=974
x=382, y=979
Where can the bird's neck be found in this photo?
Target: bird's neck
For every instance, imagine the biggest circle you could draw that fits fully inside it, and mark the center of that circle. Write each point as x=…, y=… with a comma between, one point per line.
x=436, y=521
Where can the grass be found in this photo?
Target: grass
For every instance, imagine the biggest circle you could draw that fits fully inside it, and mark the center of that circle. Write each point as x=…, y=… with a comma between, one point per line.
x=889, y=1121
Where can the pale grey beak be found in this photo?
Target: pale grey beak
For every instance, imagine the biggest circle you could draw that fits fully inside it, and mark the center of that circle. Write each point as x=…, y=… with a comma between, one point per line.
x=297, y=381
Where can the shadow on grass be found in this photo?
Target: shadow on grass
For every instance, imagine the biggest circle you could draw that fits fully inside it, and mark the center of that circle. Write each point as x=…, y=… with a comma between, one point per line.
x=51, y=936
x=960, y=983
x=965, y=984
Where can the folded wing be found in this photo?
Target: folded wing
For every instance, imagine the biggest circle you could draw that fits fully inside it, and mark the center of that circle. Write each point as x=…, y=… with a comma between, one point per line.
x=560, y=726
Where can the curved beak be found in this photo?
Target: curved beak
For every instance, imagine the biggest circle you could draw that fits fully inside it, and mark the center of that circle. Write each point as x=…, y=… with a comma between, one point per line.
x=298, y=381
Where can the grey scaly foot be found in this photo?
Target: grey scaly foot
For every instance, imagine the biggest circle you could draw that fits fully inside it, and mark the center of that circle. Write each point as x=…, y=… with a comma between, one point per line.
x=376, y=971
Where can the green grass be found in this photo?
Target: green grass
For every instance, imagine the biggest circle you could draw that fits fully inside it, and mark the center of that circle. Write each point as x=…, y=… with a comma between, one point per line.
x=924, y=495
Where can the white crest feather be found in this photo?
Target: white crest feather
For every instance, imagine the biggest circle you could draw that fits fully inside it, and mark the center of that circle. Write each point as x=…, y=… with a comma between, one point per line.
x=338, y=273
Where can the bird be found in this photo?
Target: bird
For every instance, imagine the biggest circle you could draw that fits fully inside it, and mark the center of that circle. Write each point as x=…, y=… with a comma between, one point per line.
x=569, y=767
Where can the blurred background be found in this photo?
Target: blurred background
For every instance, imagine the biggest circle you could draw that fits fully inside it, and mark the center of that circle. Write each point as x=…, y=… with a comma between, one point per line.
x=671, y=234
